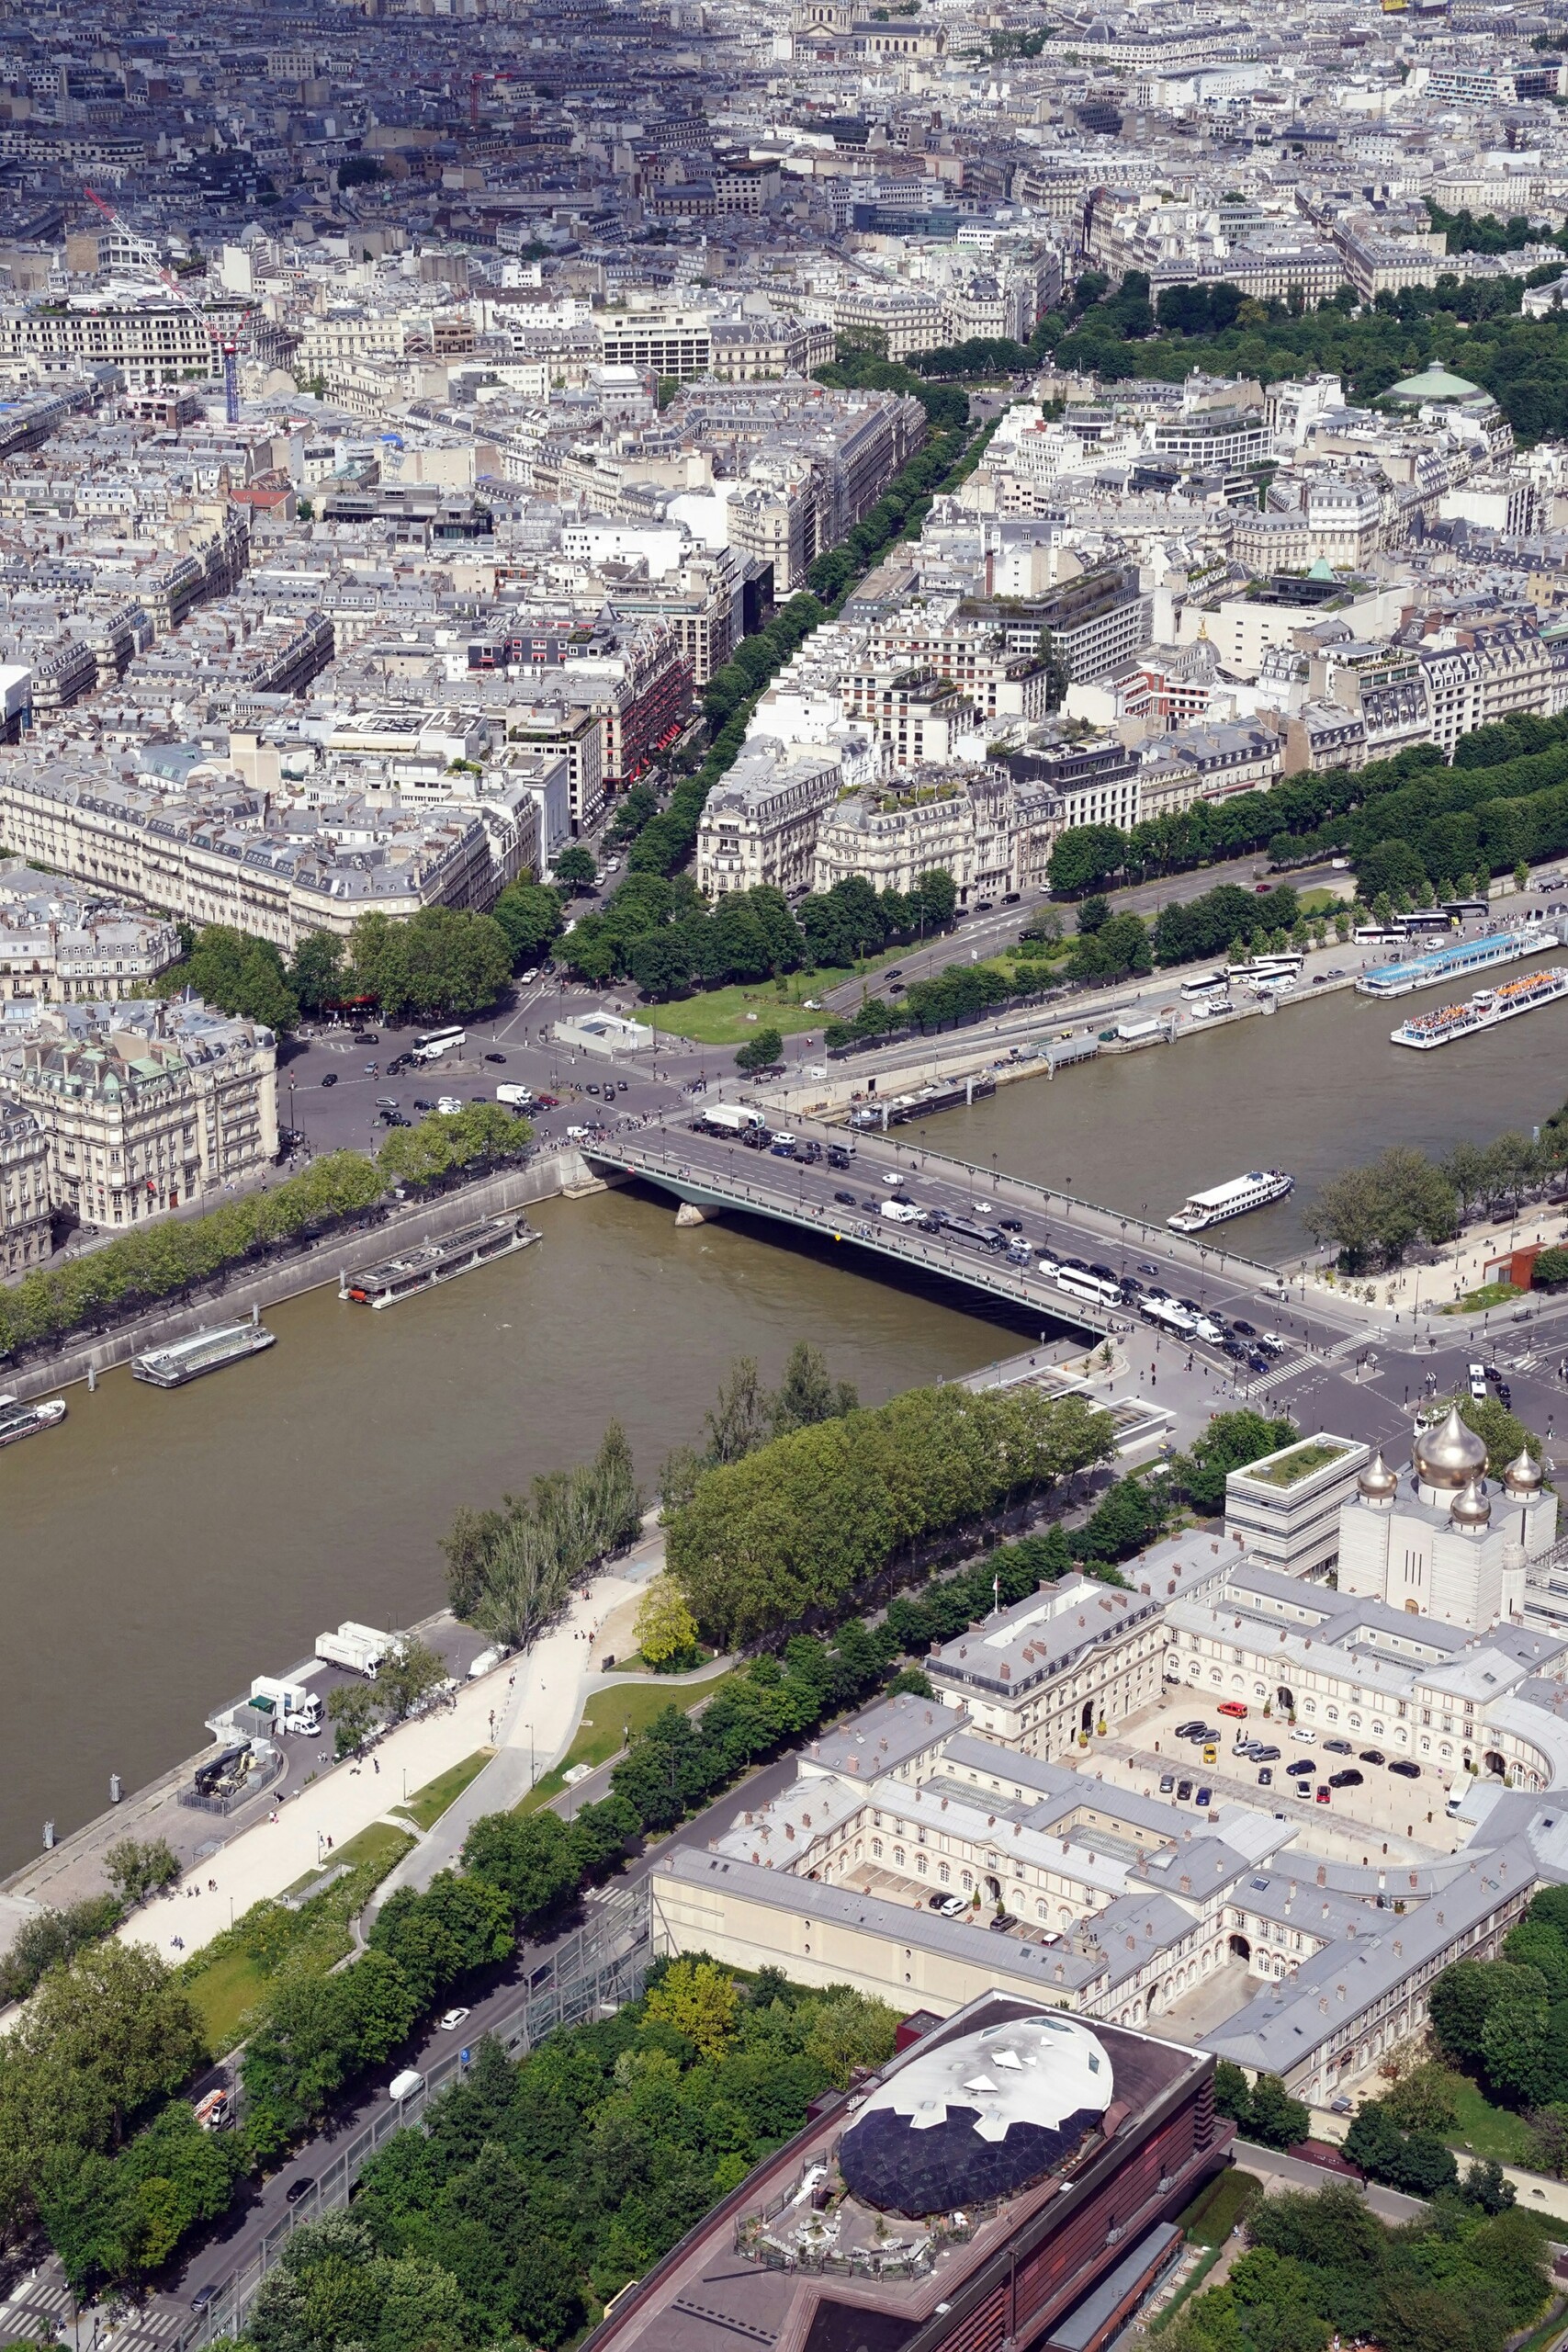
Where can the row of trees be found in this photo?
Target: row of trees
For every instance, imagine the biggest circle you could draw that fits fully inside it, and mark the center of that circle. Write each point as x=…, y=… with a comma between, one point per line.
x=1413, y=824
x=667, y=840
x=664, y=936
x=168, y=1258
x=511, y=1571
x=442, y=961
x=1373, y=1215
x=539, y=2189
x=804, y=1522
x=1322, y=2268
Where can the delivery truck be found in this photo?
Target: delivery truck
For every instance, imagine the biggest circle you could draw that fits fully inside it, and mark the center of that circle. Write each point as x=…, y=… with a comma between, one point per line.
x=358, y=1649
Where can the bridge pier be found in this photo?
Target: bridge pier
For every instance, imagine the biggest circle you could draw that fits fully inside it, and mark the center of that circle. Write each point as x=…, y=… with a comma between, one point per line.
x=693, y=1212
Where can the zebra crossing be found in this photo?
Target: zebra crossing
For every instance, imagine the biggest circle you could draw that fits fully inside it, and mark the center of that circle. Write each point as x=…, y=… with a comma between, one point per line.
x=40, y=2310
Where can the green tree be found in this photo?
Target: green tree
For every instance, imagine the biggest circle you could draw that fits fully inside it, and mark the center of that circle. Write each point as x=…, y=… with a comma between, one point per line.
x=1230, y=1441
x=137, y=1868
x=409, y=1675
x=353, y=1714
x=808, y=1394
x=115, y=2020
x=741, y=1416
x=575, y=867
x=316, y=975
x=666, y=1629
x=759, y=1052
x=699, y=2000
x=530, y=916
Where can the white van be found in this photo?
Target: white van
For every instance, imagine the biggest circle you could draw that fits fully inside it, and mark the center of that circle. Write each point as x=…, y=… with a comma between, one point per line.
x=1307, y=1738
x=901, y=1212
x=404, y=2086
x=1457, y=1795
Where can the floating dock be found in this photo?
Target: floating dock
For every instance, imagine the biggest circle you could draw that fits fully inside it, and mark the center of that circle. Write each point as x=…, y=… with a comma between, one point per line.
x=1449, y=963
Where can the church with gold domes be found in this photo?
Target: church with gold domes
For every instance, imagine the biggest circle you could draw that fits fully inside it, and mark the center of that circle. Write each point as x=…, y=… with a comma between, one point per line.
x=1442, y=1540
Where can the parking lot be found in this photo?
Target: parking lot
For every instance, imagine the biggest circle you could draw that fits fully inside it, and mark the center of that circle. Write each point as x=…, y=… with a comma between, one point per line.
x=1384, y=1816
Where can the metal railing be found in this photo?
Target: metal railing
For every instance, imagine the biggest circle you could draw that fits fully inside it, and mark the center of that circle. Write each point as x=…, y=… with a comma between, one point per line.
x=602, y=1966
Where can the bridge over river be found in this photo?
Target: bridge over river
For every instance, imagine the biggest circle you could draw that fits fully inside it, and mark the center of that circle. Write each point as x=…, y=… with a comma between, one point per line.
x=715, y=1173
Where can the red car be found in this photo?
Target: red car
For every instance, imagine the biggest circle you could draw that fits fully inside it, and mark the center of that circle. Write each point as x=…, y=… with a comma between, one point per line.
x=548, y=1102
x=1322, y=1797
x=1233, y=1707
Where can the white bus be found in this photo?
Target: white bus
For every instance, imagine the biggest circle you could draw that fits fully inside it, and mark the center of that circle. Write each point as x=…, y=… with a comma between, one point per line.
x=1166, y=1316
x=1091, y=1287
x=1372, y=934
x=437, y=1041
x=1208, y=984
x=1286, y=966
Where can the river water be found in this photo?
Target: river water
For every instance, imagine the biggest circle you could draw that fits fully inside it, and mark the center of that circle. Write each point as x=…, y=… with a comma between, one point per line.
x=1311, y=1088
x=159, y=1549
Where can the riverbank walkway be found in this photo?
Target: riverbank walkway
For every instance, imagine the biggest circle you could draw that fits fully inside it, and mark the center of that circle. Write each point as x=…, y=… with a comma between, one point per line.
x=527, y=1709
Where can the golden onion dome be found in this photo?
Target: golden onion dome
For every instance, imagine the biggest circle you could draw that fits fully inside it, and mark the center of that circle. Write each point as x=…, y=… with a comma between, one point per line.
x=1377, y=1481
x=1448, y=1456
x=1522, y=1475
x=1471, y=1508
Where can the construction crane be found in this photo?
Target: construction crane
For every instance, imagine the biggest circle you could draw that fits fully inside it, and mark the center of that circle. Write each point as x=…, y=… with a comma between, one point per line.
x=227, y=346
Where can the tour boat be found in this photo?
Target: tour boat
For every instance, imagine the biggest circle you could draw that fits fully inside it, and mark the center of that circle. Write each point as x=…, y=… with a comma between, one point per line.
x=1234, y=1199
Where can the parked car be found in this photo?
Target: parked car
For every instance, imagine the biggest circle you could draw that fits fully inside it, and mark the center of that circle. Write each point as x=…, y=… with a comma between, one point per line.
x=1265, y=1755
x=1372, y=1755
x=1167, y=1783
x=1302, y=1737
x=1183, y=1792
x=1243, y=1330
x=1190, y=1730
x=1233, y=1707
x=1337, y=1746
x=1205, y=1797
x=1302, y=1769
x=953, y=1906
x=1347, y=1779
x=496, y=1057
x=1266, y=1777
x=1323, y=1797
x=1406, y=1771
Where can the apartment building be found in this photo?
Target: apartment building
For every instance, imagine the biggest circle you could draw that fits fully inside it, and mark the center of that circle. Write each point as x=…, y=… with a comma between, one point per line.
x=143, y=1106
x=569, y=730
x=25, y=1214
x=210, y=849
x=57, y=947
x=154, y=342
x=990, y=830
x=760, y=822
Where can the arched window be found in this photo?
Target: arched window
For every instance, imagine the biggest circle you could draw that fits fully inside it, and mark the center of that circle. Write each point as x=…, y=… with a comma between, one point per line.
x=966, y=1882
x=920, y=1864
x=1040, y=1910
x=876, y=1849
x=944, y=1873
x=899, y=1856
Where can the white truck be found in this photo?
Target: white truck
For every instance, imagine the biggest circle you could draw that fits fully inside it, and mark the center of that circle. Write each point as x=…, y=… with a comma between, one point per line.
x=729, y=1118
x=358, y=1649
x=291, y=1706
x=899, y=1212
x=515, y=1098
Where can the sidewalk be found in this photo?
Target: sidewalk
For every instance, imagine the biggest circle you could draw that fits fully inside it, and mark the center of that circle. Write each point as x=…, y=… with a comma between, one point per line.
x=537, y=1695
x=1414, y=1293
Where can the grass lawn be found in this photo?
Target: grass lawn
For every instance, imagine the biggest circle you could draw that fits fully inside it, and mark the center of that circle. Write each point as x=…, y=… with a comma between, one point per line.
x=224, y=1994
x=1216, y=2210
x=225, y=1989
x=1475, y=1302
x=606, y=1718
x=717, y=1016
x=427, y=1804
x=1488, y=2130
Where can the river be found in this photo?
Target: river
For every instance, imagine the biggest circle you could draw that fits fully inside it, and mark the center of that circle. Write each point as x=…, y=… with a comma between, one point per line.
x=159, y=1549
x=1312, y=1088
